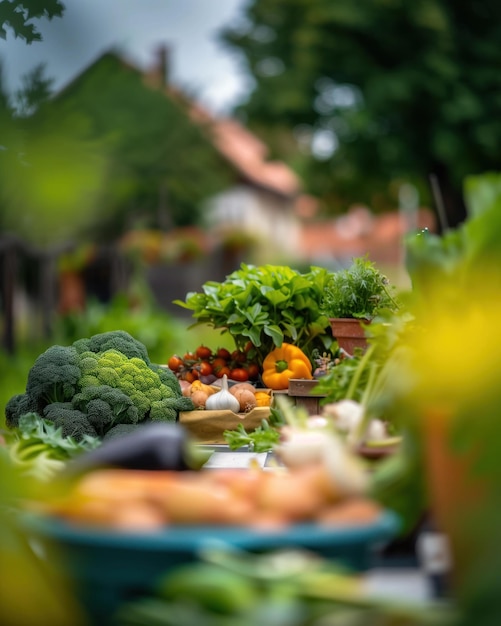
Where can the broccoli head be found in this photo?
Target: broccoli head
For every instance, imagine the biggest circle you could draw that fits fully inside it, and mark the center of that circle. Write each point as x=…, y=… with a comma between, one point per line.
x=96, y=384
x=18, y=405
x=105, y=407
x=119, y=340
x=73, y=423
x=53, y=377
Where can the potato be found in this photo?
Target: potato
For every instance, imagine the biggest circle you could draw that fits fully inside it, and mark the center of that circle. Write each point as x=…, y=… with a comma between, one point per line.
x=199, y=398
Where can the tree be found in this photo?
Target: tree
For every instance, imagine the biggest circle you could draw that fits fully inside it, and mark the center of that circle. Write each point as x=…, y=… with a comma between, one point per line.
x=160, y=165
x=401, y=90
x=19, y=15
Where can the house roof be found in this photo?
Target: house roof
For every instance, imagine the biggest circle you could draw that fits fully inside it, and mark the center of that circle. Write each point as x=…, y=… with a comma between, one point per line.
x=236, y=144
x=359, y=233
x=243, y=150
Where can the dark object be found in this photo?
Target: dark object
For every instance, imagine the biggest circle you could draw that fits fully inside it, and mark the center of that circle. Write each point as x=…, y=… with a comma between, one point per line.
x=159, y=446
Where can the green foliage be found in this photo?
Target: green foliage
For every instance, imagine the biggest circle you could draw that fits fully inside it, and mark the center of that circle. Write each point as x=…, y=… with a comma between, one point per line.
x=164, y=165
x=158, y=331
x=232, y=587
x=51, y=172
x=399, y=107
x=361, y=291
x=39, y=447
x=18, y=16
x=266, y=305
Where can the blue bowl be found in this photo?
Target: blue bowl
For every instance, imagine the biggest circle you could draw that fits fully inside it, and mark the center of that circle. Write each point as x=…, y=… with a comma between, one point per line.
x=110, y=568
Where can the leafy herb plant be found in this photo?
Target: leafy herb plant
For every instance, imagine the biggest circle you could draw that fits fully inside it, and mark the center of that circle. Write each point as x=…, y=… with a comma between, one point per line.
x=360, y=291
x=266, y=305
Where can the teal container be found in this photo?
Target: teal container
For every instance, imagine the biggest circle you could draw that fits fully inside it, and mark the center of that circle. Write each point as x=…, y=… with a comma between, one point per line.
x=109, y=568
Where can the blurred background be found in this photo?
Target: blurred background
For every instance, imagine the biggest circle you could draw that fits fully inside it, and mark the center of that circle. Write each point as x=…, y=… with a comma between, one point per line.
x=147, y=147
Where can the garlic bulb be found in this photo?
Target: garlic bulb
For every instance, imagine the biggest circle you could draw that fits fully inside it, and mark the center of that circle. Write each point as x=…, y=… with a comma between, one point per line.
x=223, y=400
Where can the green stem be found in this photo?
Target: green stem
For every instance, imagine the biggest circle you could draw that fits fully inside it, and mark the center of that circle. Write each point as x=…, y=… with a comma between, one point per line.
x=358, y=372
x=395, y=304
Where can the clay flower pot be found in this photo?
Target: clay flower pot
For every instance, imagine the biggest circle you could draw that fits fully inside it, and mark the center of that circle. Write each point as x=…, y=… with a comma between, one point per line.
x=349, y=333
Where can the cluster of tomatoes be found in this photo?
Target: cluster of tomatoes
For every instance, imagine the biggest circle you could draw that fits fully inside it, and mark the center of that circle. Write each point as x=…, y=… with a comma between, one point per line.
x=205, y=363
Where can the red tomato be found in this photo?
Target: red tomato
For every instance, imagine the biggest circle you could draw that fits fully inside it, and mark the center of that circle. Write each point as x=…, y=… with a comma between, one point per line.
x=223, y=353
x=190, y=356
x=238, y=356
x=252, y=370
x=240, y=374
x=204, y=368
x=203, y=352
x=190, y=376
x=222, y=371
x=218, y=363
x=174, y=363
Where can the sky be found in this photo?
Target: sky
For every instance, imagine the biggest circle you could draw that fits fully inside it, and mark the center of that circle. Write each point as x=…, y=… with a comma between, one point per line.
x=136, y=28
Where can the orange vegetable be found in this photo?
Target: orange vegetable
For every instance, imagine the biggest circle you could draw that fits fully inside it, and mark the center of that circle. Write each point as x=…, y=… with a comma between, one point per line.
x=262, y=398
x=198, y=385
x=283, y=363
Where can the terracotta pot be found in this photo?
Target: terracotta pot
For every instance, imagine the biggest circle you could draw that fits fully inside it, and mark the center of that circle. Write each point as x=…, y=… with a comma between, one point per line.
x=459, y=498
x=349, y=333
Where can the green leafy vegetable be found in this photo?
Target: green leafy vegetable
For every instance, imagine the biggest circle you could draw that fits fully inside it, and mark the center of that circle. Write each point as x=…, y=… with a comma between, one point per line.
x=262, y=439
x=95, y=384
x=361, y=291
x=266, y=305
x=40, y=449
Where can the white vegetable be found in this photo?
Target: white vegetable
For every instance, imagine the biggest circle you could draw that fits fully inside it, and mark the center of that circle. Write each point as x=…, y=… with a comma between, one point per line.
x=376, y=431
x=305, y=440
x=347, y=414
x=223, y=400
x=300, y=446
x=321, y=445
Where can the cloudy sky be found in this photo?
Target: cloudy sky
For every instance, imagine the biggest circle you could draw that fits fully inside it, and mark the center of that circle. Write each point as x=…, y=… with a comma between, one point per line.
x=137, y=27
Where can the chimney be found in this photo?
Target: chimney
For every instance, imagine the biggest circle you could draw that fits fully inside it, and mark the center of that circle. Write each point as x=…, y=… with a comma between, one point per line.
x=162, y=65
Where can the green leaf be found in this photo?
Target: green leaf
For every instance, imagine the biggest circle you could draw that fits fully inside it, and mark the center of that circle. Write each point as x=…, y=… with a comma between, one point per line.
x=275, y=333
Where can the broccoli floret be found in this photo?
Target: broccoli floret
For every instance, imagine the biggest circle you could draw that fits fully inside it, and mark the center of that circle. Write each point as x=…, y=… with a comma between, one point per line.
x=73, y=423
x=119, y=340
x=18, y=405
x=88, y=363
x=53, y=378
x=167, y=377
x=131, y=376
x=105, y=407
x=119, y=430
x=167, y=410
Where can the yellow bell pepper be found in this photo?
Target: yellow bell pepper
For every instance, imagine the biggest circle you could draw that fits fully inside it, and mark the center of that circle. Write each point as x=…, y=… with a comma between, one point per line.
x=283, y=363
